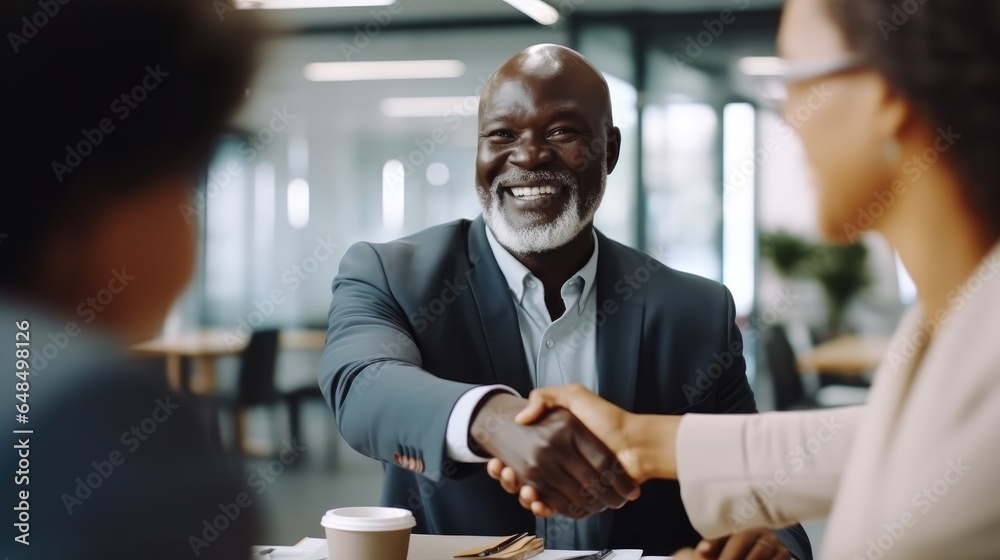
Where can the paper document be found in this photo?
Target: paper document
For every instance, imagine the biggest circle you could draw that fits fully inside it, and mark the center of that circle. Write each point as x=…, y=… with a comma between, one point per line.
x=558, y=554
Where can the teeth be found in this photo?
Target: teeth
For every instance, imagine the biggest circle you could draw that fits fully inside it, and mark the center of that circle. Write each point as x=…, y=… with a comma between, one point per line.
x=534, y=191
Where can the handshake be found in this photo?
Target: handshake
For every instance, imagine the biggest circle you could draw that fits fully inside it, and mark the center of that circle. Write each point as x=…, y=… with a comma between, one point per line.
x=566, y=450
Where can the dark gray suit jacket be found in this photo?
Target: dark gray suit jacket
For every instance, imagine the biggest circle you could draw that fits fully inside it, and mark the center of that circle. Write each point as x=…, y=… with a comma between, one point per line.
x=416, y=322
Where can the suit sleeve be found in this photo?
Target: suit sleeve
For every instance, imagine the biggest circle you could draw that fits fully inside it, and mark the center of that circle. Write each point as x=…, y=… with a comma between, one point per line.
x=734, y=395
x=385, y=404
x=763, y=470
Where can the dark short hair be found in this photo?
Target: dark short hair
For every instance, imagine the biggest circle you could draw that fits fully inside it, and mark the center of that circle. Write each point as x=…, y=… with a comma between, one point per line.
x=943, y=56
x=106, y=96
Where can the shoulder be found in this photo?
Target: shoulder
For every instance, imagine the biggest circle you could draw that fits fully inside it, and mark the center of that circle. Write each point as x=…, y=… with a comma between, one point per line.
x=631, y=268
x=121, y=429
x=430, y=245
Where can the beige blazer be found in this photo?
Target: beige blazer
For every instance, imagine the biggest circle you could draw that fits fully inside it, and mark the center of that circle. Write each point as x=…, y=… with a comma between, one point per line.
x=914, y=474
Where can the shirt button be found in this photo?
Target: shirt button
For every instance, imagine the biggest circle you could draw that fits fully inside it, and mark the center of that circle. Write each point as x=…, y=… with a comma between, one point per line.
x=550, y=343
x=531, y=284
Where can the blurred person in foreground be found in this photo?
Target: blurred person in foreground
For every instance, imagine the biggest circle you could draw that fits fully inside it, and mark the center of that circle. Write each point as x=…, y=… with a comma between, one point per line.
x=907, y=136
x=113, y=110
x=434, y=338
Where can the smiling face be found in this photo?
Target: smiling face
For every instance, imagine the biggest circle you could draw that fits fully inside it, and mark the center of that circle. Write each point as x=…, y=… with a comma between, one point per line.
x=546, y=146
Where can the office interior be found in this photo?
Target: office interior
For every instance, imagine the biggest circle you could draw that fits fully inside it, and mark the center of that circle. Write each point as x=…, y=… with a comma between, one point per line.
x=330, y=150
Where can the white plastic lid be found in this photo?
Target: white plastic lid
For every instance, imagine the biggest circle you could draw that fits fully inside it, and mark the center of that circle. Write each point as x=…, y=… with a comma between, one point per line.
x=368, y=519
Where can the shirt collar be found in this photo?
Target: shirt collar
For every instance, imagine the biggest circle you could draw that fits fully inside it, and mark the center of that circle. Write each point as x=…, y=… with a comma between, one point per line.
x=516, y=274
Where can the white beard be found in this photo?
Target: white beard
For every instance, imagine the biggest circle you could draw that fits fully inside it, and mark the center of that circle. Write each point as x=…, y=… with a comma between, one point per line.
x=545, y=237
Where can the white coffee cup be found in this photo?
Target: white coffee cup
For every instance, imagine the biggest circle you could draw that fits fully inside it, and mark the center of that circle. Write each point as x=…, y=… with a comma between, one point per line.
x=368, y=533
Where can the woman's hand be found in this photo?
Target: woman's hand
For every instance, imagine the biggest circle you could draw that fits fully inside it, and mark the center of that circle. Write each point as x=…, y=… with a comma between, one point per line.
x=752, y=544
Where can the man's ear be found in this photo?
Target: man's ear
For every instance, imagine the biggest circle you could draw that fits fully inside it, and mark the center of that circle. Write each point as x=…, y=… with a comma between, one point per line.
x=614, y=147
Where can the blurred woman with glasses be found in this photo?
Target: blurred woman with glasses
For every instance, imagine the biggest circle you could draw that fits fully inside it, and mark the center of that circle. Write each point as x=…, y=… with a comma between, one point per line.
x=905, y=133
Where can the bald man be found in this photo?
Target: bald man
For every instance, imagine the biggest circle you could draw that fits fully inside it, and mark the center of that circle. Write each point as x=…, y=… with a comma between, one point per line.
x=435, y=339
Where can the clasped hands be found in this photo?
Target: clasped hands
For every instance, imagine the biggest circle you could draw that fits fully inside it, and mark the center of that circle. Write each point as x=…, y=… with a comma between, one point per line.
x=566, y=450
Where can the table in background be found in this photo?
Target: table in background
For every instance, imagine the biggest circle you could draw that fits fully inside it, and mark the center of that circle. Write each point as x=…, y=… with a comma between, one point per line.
x=204, y=346
x=847, y=354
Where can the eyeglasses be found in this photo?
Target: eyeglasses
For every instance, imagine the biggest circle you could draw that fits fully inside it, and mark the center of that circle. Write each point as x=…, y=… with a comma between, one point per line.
x=771, y=76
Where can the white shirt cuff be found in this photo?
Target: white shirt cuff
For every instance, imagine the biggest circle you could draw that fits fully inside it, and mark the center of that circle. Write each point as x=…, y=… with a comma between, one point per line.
x=460, y=420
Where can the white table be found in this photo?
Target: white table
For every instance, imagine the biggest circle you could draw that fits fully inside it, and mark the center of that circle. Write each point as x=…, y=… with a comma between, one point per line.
x=431, y=547
x=428, y=547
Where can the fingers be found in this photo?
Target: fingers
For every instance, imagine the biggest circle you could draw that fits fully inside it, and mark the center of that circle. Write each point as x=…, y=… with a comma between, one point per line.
x=615, y=486
x=567, y=492
x=531, y=501
x=711, y=548
x=593, y=480
x=746, y=545
x=571, y=487
x=527, y=495
x=537, y=405
x=571, y=470
x=509, y=481
x=494, y=468
x=763, y=550
x=768, y=547
x=542, y=510
x=687, y=554
x=539, y=401
x=737, y=546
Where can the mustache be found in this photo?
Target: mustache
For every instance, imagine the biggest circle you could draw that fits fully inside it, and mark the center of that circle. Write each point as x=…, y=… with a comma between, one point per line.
x=563, y=178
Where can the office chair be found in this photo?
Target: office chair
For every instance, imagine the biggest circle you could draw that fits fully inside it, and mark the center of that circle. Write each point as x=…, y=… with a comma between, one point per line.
x=789, y=390
x=294, y=399
x=255, y=381
x=256, y=387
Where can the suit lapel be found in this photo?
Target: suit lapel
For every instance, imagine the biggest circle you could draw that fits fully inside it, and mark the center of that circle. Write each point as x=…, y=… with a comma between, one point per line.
x=496, y=309
x=619, y=330
x=619, y=327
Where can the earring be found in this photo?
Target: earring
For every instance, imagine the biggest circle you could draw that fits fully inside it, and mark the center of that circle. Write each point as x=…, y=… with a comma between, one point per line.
x=891, y=152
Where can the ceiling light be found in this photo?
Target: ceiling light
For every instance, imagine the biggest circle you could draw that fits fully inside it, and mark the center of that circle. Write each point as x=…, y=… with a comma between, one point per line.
x=402, y=107
x=383, y=70
x=536, y=10
x=299, y=4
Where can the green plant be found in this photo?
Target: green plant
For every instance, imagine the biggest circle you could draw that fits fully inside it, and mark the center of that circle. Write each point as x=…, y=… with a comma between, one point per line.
x=841, y=270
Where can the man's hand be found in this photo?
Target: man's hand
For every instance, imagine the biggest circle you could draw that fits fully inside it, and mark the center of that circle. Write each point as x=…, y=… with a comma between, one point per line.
x=643, y=444
x=753, y=544
x=602, y=418
x=527, y=495
x=571, y=470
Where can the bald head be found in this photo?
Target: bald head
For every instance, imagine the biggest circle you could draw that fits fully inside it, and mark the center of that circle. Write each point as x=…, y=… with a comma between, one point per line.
x=546, y=146
x=554, y=64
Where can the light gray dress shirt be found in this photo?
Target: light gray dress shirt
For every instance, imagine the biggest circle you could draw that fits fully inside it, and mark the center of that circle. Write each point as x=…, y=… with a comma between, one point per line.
x=557, y=352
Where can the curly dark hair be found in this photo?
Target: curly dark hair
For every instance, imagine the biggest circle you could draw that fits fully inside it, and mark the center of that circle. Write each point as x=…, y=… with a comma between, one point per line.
x=943, y=56
x=105, y=97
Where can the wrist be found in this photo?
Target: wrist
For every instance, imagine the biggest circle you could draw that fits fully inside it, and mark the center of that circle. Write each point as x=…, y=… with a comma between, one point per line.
x=495, y=412
x=651, y=446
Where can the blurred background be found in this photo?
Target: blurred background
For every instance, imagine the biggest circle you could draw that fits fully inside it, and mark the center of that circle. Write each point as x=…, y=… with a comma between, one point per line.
x=362, y=126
